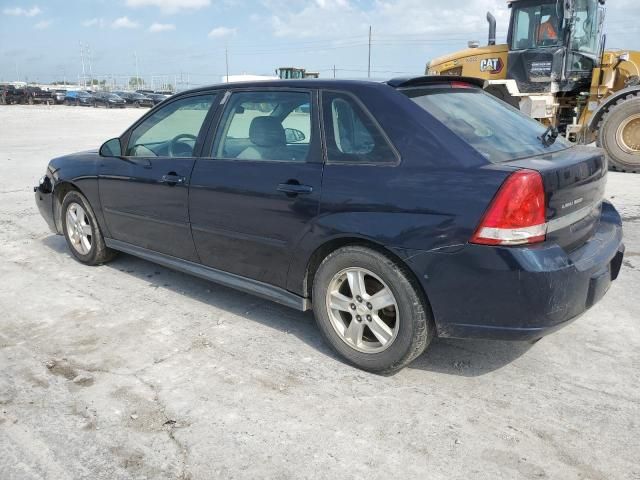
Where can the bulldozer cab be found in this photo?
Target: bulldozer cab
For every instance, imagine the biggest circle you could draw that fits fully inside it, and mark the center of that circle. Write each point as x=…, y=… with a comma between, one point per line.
x=554, y=45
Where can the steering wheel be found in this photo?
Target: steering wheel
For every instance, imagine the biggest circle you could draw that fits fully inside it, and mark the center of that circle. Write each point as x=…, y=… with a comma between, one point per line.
x=175, y=141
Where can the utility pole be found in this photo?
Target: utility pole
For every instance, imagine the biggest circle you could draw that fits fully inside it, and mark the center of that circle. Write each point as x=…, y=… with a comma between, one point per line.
x=84, y=78
x=135, y=55
x=334, y=71
x=226, y=61
x=369, y=63
x=90, y=69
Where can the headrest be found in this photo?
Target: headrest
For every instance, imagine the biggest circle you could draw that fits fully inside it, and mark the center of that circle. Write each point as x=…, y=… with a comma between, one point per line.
x=267, y=132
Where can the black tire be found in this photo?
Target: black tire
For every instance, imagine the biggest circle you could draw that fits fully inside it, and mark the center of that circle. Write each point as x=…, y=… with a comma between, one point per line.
x=416, y=327
x=66, y=102
x=619, y=159
x=98, y=253
x=30, y=101
x=136, y=104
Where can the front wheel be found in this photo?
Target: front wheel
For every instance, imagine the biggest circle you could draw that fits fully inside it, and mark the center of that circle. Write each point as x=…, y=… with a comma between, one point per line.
x=619, y=135
x=370, y=310
x=82, y=232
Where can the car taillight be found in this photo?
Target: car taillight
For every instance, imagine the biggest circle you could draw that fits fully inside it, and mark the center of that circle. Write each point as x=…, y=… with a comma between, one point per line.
x=459, y=84
x=516, y=215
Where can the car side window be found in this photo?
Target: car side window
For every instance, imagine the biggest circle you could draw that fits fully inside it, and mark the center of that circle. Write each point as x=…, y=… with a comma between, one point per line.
x=265, y=125
x=351, y=134
x=172, y=130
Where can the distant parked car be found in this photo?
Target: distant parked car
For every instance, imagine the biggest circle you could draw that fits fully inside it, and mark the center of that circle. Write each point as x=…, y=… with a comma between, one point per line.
x=135, y=99
x=157, y=97
x=59, y=96
x=145, y=92
x=108, y=100
x=78, y=98
x=10, y=94
x=37, y=95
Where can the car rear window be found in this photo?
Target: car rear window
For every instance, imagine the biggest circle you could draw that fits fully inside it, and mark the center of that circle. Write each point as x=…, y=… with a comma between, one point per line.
x=496, y=130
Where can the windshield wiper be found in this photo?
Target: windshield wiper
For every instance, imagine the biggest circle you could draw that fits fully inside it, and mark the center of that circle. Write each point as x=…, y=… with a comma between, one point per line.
x=549, y=136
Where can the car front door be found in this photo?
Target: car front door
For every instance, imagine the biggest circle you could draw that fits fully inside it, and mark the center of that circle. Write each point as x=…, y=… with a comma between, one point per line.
x=252, y=198
x=144, y=193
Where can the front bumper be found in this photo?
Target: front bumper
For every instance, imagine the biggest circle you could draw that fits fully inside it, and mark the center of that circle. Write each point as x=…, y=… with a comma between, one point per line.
x=44, y=200
x=519, y=293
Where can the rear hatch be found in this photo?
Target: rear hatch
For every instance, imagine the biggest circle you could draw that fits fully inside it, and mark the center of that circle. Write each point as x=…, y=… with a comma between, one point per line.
x=574, y=182
x=573, y=176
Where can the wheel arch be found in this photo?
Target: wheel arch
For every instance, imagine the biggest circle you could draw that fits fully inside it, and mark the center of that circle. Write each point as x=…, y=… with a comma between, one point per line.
x=330, y=246
x=59, y=192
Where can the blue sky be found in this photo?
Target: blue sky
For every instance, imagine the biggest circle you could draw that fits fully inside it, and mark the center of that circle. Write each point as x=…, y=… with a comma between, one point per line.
x=39, y=40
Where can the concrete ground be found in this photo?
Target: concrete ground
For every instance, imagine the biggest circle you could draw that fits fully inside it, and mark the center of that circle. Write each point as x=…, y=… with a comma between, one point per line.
x=132, y=371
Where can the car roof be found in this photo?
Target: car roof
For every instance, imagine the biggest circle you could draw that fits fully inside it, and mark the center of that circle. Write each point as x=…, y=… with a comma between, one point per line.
x=398, y=82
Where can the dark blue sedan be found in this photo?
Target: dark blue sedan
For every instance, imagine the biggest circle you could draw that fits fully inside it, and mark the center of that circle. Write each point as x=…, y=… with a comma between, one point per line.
x=397, y=211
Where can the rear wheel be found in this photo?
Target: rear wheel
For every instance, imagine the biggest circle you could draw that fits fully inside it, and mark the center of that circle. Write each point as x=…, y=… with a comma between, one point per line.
x=369, y=310
x=619, y=135
x=82, y=232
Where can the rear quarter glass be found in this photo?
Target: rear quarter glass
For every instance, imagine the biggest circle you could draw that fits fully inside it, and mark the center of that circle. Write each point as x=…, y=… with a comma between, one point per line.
x=497, y=131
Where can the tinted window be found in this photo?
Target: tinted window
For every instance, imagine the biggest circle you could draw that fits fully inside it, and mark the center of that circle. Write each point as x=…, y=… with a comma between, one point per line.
x=351, y=134
x=274, y=126
x=172, y=130
x=496, y=130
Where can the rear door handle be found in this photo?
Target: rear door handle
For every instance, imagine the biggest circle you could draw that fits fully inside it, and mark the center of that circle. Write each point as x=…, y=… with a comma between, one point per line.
x=295, y=189
x=172, y=178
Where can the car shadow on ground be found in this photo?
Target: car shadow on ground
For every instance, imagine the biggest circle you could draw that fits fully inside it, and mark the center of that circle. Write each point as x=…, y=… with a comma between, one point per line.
x=467, y=358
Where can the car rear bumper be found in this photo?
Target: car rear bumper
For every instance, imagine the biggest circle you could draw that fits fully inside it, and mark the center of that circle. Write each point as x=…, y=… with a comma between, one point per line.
x=519, y=293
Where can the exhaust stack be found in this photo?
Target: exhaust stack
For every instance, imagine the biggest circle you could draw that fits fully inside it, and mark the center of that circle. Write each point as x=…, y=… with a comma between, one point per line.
x=492, y=28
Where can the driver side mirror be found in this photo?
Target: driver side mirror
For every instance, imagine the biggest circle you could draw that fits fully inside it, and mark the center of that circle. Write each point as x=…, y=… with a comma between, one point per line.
x=111, y=148
x=293, y=135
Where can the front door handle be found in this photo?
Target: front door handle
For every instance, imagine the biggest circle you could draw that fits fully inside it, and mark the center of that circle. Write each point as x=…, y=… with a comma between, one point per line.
x=292, y=189
x=172, y=178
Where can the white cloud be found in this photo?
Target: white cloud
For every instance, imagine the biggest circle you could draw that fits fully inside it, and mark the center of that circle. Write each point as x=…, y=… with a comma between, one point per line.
x=43, y=24
x=169, y=6
x=93, y=22
x=22, y=12
x=161, y=27
x=221, y=32
x=333, y=18
x=124, y=22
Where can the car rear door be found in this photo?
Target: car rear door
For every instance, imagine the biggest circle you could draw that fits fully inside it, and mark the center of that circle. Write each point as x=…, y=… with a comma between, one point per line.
x=145, y=193
x=255, y=191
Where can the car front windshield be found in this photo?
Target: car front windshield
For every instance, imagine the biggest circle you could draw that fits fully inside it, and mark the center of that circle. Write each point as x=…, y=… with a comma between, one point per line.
x=496, y=130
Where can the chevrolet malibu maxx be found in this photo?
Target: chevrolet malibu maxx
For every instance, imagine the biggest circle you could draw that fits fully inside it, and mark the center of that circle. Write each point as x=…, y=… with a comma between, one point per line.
x=397, y=211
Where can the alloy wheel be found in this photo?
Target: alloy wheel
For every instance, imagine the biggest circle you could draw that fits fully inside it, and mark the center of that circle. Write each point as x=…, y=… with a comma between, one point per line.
x=79, y=229
x=363, y=310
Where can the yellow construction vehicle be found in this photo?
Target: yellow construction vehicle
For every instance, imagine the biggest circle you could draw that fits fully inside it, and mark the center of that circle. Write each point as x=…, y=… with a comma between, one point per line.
x=555, y=68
